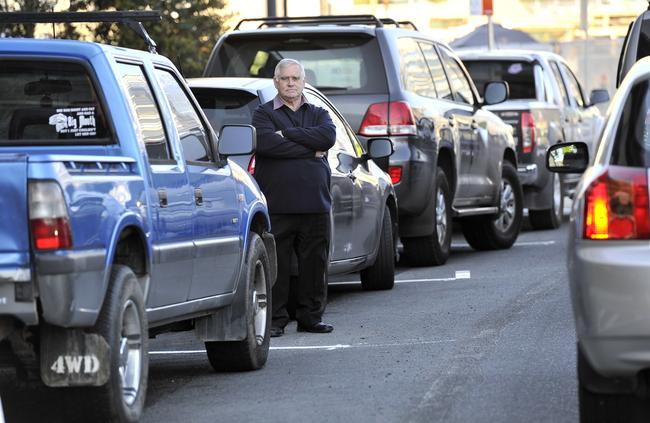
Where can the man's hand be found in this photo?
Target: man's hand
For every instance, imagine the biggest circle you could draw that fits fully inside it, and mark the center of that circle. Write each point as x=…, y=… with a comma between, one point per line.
x=320, y=154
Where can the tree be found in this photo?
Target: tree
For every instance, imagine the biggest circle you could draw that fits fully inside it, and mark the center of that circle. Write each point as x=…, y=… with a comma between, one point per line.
x=23, y=30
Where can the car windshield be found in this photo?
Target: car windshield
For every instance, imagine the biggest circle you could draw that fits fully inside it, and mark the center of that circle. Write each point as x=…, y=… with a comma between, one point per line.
x=519, y=75
x=48, y=103
x=335, y=63
x=226, y=107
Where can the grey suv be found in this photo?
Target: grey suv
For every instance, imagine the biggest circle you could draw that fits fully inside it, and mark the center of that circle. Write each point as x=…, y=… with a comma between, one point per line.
x=452, y=159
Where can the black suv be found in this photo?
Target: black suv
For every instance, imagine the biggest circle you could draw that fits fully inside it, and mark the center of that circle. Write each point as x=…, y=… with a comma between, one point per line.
x=452, y=159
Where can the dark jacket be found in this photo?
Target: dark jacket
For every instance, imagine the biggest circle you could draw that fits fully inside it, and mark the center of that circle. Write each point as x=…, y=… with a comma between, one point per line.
x=293, y=180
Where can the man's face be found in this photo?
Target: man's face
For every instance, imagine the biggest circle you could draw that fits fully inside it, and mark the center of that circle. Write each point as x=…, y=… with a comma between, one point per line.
x=290, y=83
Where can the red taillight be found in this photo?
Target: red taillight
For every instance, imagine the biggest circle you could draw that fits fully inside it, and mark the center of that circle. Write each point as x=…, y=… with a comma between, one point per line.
x=395, y=173
x=251, y=165
x=527, y=132
x=48, y=217
x=616, y=205
x=382, y=119
x=51, y=234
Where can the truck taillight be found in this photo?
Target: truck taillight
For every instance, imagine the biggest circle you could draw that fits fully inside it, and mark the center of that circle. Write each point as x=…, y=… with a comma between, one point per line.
x=616, y=205
x=48, y=217
x=382, y=119
x=527, y=132
x=251, y=165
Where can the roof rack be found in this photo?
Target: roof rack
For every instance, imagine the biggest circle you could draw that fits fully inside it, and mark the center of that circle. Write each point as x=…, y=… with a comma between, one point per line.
x=132, y=18
x=399, y=24
x=316, y=20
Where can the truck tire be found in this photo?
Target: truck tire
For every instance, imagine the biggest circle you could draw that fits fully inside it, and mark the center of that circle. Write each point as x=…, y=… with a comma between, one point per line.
x=550, y=218
x=607, y=407
x=433, y=250
x=123, y=323
x=381, y=275
x=250, y=353
x=490, y=232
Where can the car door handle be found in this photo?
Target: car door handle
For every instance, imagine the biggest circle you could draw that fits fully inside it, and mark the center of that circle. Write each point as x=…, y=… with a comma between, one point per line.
x=452, y=120
x=474, y=125
x=198, y=196
x=352, y=176
x=162, y=198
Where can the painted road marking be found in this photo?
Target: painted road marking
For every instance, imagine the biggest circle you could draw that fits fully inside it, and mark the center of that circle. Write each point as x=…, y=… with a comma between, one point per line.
x=2, y=414
x=320, y=347
x=460, y=274
x=518, y=243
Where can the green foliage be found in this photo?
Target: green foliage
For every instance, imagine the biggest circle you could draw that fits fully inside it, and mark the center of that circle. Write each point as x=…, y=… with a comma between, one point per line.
x=23, y=30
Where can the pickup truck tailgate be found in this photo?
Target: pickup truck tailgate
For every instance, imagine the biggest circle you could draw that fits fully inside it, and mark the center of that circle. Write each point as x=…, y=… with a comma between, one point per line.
x=14, y=225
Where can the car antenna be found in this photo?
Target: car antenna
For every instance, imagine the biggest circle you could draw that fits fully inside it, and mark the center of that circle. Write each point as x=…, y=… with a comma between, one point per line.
x=132, y=18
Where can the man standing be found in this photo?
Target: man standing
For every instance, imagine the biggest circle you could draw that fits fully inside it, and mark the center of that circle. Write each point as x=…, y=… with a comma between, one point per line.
x=291, y=168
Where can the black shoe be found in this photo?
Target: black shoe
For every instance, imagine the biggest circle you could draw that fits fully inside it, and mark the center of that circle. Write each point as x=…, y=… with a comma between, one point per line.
x=317, y=328
x=275, y=332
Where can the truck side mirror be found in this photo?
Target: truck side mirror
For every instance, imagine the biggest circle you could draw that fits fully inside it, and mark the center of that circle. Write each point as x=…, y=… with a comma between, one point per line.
x=496, y=92
x=236, y=140
x=598, y=96
x=572, y=157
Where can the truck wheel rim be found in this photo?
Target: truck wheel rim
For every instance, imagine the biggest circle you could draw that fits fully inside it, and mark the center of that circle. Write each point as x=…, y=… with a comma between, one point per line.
x=507, y=207
x=557, y=195
x=259, y=302
x=441, y=216
x=130, y=366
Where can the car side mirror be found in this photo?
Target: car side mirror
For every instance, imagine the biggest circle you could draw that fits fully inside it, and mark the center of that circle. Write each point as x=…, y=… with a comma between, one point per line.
x=379, y=148
x=236, y=140
x=572, y=157
x=598, y=96
x=496, y=92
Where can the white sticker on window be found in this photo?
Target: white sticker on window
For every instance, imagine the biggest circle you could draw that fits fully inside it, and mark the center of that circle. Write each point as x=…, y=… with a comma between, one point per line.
x=79, y=121
x=515, y=68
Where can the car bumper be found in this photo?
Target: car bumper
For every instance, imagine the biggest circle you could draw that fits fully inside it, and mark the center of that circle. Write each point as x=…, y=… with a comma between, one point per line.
x=414, y=189
x=528, y=174
x=611, y=302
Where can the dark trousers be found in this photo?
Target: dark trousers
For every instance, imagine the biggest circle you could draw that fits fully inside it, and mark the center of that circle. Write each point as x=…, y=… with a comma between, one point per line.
x=308, y=237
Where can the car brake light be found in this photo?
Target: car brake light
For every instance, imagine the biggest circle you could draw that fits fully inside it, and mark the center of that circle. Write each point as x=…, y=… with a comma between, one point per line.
x=616, y=205
x=251, y=165
x=394, y=118
x=527, y=132
x=48, y=217
x=395, y=173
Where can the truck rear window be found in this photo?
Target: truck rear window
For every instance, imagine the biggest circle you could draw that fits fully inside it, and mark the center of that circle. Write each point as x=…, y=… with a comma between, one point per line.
x=226, y=107
x=333, y=63
x=48, y=102
x=519, y=75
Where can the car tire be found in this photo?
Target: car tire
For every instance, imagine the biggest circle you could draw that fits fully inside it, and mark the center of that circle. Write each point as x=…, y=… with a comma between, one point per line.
x=500, y=232
x=550, y=218
x=123, y=324
x=381, y=275
x=433, y=250
x=250, y=353
x=598, y=407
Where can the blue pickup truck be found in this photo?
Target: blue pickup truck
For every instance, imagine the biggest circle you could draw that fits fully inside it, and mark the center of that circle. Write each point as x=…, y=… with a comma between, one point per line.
x=122, y=218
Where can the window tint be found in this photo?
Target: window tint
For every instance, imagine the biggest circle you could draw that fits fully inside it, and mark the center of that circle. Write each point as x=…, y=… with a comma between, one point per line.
x=459, y=83
x=632, y=141
x=437, y=72
x=49, y=102
x=335, y=63
x=226, y=107
x=519, y=75
x=574, y=86
x=414, y=72
x=192, y=134
x=560, y=83
x=144, y=106
x=342, y=137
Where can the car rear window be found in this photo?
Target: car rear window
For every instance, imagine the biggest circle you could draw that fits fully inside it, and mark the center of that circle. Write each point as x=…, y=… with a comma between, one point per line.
x=226, y=107
x=632, y=141
x=333, y=63
x=519, y=75
x=49, y=102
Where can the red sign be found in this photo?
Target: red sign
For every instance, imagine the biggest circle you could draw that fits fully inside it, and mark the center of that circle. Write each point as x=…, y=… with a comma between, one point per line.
x=487, y=7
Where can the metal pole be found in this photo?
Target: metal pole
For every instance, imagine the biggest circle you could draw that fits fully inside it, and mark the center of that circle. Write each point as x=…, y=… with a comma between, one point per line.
x=285, y=8
x=271, y=9
x=584, y=23
x=490, y=33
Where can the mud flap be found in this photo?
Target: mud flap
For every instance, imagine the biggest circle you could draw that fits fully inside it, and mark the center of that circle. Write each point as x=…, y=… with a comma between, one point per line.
x=269, y=243
x=72, y=357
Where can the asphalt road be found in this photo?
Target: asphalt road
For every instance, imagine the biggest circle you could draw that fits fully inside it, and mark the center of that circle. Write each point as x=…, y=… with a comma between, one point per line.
x=486, y=338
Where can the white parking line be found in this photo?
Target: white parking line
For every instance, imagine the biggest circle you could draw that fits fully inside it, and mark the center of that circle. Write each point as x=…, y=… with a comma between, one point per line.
x=460, y=274
x=320, y=347
x=2, y=414
x=518, y=243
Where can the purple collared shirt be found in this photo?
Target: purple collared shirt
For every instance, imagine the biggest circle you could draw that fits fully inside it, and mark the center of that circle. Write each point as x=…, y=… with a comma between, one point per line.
x=277, y=101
